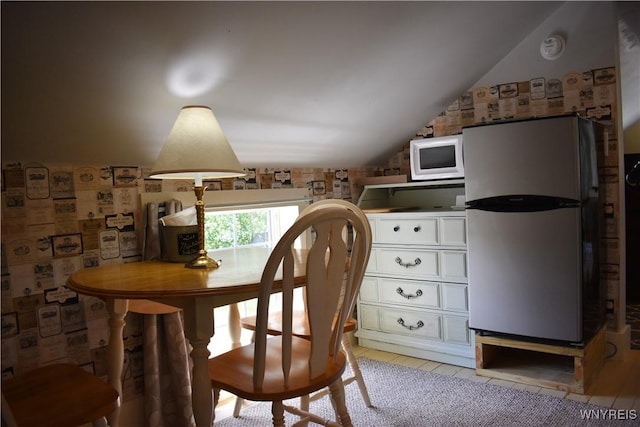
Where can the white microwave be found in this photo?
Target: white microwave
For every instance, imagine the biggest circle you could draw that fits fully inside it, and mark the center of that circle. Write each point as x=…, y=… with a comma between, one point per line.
x=436, y=158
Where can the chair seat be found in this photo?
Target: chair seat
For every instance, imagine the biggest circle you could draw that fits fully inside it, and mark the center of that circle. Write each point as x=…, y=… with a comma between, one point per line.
x=60, y=395
x=233, y=371
x=300, y=324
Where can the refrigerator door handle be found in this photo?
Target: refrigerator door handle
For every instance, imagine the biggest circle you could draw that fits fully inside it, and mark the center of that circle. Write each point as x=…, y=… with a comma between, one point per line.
x=521, y=203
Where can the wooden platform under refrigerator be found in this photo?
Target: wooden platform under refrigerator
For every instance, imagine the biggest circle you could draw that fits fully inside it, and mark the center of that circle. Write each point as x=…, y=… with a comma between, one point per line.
x=552, y=366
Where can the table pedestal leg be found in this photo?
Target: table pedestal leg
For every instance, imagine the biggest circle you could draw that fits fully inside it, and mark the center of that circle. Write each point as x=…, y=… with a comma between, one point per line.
x=198, y=319
x=201, y=384
x=115, y=351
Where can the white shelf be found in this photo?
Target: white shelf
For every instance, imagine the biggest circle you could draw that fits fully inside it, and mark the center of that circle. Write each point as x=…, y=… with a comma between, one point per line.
x=433, y=196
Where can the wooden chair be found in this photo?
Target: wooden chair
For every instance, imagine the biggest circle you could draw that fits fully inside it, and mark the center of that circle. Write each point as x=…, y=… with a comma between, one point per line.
x=301, y=324
x=277, y=368
x=59, y=395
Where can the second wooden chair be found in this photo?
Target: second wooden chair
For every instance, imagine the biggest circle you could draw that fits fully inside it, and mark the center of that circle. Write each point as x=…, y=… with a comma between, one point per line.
x=301, y=322
x=277, y=368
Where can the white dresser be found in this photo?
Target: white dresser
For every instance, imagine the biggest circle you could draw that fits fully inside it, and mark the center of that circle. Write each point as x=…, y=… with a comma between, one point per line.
x=413, y=299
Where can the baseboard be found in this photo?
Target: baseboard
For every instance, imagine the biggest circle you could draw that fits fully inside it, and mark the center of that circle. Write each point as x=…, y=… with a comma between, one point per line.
x=421, y=353
x=619, y=343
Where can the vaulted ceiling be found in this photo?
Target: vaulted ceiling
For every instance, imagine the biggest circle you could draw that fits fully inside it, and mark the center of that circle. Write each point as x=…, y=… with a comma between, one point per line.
x=333, y=84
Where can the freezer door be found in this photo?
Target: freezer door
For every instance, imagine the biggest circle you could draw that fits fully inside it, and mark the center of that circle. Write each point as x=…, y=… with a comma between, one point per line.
x=524, y=273
x=533, y=157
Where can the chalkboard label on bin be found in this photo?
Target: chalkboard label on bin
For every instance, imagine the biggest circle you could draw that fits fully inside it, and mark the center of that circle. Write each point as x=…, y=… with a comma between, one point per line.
x=187, y=243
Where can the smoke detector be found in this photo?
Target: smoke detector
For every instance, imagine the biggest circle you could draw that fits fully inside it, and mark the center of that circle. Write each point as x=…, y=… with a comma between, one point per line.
x=552, y=47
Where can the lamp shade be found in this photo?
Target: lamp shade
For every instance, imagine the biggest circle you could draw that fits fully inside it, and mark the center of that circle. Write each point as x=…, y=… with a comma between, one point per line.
x=196, y=149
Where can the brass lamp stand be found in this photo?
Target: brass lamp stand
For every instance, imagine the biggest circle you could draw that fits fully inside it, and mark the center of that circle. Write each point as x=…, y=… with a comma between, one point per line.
x=202, y=260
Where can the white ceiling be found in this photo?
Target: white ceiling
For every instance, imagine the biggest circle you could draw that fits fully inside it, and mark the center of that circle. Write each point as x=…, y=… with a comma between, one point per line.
x=293, y=84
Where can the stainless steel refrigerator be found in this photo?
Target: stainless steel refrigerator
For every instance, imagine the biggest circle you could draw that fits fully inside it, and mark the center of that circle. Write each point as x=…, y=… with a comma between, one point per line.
x=533, y=236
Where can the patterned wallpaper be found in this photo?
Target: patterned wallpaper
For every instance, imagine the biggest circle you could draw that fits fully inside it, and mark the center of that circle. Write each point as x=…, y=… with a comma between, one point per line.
x=57, y=219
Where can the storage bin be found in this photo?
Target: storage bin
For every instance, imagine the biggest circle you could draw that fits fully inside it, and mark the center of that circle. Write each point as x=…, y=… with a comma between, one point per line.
x=178, y=243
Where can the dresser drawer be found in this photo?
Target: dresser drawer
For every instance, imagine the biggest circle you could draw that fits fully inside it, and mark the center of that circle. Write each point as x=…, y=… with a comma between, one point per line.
x=426, y=230
x=411, y=323
x=419, y=231
x=424, y=264
x=418, y=263
x=410, y=293
x=416, y=324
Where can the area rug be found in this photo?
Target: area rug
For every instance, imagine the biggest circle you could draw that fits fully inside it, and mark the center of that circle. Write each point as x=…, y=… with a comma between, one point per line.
x=410, y=397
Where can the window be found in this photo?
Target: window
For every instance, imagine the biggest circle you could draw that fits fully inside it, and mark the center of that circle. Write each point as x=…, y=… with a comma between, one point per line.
x=251, y=226
x=247, y=227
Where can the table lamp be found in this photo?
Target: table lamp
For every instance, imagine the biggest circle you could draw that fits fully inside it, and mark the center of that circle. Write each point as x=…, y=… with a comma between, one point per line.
x=197, y=149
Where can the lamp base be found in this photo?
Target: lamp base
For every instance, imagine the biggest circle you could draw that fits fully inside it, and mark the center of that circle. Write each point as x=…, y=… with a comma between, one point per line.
x=203, y=262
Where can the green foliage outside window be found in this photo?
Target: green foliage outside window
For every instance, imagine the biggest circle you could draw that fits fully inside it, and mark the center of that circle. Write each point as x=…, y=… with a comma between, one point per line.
x=236, y=229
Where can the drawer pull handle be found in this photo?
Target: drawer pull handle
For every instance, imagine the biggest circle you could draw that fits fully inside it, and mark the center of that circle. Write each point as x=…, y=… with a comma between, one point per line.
x=418, y=325
x=417, y=261
x=416, y=228
x=396, y=228
x=400, y=292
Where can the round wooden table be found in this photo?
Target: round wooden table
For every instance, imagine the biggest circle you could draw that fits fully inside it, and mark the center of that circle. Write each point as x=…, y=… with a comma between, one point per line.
x=196, y=292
